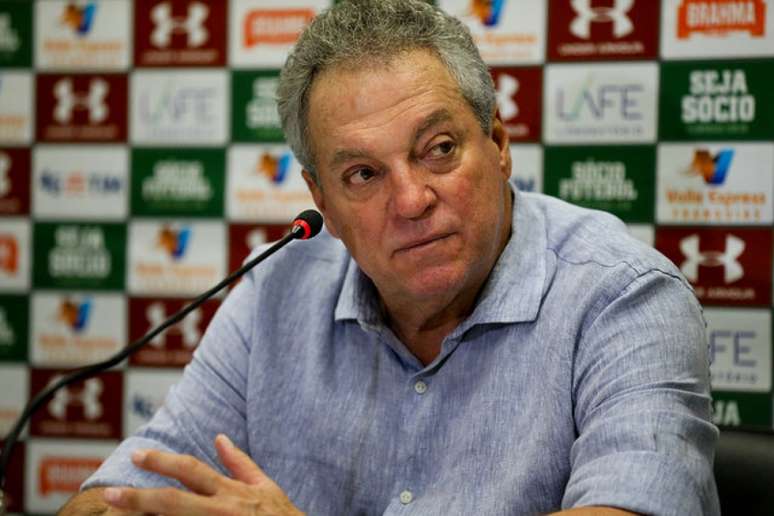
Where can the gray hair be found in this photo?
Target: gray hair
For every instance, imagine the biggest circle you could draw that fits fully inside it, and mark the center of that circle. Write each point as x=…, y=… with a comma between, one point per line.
x=359, y=32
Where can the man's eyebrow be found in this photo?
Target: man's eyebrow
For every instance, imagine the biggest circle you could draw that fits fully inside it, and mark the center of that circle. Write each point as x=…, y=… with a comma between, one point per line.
x=436, y=117
x=344, y=155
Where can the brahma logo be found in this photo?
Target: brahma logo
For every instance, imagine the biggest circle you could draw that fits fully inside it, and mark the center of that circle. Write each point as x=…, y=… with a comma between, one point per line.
x=65, y=474
x=487, y=11
x=727, y=258
x=274, y=167
x=86, y=398
x=9, y=254
x=274, y=26
x=75, y=315
x=188, y=328
x=192, y=25
x=68, y=100
x=79, y=19
x=721, y=17
x=713, y=169
x=615, y=14
x=174, y=242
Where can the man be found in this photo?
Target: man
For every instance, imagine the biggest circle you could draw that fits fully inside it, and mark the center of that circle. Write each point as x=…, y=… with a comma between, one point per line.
x=450, y=345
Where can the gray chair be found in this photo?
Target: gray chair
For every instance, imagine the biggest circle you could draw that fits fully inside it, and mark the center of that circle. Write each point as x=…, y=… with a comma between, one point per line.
x=744, y=471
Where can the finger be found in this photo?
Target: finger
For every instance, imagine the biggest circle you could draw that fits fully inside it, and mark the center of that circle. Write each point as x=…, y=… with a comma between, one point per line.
x=238, y=462
x=168, y=501
x=191, y=472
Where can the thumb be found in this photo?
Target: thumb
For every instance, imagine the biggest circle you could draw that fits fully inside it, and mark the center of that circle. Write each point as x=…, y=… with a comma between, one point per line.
x=238, y=462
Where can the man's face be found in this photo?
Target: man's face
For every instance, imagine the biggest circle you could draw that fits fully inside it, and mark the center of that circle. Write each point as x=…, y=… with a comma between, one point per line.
x=408, y=180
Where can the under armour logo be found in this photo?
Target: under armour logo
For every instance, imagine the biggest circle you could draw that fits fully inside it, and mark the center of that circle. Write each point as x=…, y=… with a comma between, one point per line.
x=188, y=328
x=67, y=100
x=5, y=180
x=581, y=25
x=256, y=237
x=727, y=259
x=507, y=87
x=87, y=398
x=192, y=25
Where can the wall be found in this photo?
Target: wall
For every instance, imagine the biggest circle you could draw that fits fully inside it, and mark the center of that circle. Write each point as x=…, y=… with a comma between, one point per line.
x=141, y=158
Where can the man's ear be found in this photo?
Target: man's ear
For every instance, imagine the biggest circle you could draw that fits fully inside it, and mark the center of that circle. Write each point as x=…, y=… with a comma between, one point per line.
x=501, y=139
x=319, y=201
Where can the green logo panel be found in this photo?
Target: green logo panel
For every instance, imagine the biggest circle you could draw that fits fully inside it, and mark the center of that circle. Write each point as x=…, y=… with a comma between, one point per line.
x=617, y=179
x=178, y=182
x=254, y=109
x=79, y=256
x=717, y=100
x=14, y=328
x=740, y=408
x=15, y=33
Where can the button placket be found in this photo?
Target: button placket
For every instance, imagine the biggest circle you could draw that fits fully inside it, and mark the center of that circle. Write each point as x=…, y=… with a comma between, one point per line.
x=420, y=387
x=406, y=497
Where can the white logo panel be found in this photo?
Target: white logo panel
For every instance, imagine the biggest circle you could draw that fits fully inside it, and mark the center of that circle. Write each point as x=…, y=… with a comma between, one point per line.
x=145, y=394
x=527, y=167
x=183, y=108
x=601, y=103
x=14, y=384
x=80, y=182
x=16, y=112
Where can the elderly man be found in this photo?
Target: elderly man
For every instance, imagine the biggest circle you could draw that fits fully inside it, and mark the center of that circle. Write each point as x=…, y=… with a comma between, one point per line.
x=450, y=345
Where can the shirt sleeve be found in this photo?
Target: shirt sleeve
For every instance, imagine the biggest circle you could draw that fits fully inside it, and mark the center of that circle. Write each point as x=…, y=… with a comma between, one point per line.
x=209, y=399
x=642, y=404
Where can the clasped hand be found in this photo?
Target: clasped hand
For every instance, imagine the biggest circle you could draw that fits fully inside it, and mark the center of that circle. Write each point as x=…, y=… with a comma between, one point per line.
x=249, y=492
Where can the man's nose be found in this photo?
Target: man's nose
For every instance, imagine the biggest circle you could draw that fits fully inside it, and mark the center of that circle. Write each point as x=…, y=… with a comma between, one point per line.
x=412, y=193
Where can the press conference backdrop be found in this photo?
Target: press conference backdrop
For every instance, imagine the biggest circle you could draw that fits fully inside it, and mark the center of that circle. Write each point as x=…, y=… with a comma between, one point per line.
x=141, y=158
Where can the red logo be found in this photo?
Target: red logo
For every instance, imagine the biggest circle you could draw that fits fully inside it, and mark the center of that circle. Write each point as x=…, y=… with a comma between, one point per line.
x=275, y=26
x=9, y=254
x=719, y=17
x=87, y=108
x=65, y=474
x=726, y=266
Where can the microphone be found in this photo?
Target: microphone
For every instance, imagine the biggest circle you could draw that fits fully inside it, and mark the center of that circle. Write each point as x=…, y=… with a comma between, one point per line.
x=305, y=226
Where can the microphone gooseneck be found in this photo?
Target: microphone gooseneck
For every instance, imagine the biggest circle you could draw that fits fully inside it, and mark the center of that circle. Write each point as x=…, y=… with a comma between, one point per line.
x=305, y=226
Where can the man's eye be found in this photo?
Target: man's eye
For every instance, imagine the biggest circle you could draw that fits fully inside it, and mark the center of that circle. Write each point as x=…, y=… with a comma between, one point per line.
x=442, y=149
x=361, y=176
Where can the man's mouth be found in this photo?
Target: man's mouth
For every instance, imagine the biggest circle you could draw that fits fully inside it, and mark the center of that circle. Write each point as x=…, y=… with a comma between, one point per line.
x=418, y=244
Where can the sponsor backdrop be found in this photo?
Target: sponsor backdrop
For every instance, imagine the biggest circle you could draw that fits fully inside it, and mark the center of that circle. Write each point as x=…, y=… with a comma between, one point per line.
x=141, y=158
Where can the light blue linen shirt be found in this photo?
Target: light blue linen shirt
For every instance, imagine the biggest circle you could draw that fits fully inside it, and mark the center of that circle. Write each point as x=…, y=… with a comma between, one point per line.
x=580, y=378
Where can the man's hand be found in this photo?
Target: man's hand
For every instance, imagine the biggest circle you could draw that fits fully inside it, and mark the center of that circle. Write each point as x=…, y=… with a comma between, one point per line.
x=249, y=492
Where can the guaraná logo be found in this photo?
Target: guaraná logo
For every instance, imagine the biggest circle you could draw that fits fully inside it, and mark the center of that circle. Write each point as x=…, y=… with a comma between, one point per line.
x=713, y=169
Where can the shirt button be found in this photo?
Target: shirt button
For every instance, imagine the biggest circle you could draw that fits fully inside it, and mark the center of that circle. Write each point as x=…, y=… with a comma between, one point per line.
x=406, y=497
x=420, y=387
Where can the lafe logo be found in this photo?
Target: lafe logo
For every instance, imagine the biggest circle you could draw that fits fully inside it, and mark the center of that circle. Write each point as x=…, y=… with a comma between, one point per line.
x=728, y=258
x=67, y=101
x=487, y=11
x=166, y=25
x=9, y=37
x=79, y=19
x=75, y=315
x=275, y=26
x=615, y=14
x=9, y=254
x=273, y=167
x=188, y=328
x=173, y=242
x=713, y=169
x=5, y=179
x=598, y=100
x=507, y=88
x=720, y=17
x=87, y=398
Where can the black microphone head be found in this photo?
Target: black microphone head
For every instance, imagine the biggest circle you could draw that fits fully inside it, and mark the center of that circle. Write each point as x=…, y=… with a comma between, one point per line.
x=307, y=224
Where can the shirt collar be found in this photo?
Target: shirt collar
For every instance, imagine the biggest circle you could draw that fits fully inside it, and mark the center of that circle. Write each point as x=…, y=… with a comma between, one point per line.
x=511, y=294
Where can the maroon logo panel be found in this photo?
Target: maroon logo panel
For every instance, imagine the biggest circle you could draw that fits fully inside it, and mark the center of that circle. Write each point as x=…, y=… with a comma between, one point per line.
x=90, y=409
x=14, y=478
x=603, y=29
x=243, y=238
x=14, y=181
x=81, y=108
x=175, y=346
x=519, y=101
x=726, y=266
x=185, y=33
